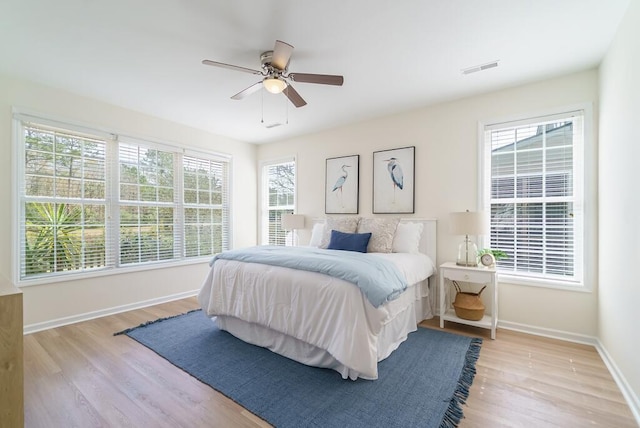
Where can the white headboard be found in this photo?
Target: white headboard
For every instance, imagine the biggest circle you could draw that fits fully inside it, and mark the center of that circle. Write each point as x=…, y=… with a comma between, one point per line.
x=428, y=246
x=428, y=243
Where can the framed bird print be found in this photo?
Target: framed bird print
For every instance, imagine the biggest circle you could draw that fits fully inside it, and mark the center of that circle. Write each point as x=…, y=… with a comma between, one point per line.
x=341, y=185
x=393, y=181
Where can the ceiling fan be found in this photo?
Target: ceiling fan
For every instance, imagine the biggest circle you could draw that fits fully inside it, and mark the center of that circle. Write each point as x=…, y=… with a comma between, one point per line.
x=276, y=76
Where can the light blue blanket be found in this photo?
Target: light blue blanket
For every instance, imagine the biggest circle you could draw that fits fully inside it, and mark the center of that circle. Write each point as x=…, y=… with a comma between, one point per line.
x=379, y=279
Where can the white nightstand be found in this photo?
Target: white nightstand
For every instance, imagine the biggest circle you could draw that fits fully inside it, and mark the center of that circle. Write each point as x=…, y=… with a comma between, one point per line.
x=477, y=275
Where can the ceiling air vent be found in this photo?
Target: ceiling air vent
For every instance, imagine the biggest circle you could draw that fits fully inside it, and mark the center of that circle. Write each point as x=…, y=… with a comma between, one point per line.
x=480, y=67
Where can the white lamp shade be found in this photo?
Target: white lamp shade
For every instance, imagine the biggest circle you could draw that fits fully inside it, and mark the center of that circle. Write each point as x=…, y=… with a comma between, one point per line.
x=468, y=223
x=292, y=221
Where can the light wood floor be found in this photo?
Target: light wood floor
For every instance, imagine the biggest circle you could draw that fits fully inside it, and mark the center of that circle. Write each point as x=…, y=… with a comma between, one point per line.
x=83, y=376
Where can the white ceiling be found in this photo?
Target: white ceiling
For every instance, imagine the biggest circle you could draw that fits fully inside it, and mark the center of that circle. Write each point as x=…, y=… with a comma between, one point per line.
x=394, y=55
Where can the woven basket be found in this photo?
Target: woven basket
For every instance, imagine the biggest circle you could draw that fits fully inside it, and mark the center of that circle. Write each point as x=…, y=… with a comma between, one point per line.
x=468, y=305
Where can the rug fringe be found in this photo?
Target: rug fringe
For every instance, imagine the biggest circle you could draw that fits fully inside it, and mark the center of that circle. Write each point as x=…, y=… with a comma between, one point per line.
x=144, y=324
x=454, y=414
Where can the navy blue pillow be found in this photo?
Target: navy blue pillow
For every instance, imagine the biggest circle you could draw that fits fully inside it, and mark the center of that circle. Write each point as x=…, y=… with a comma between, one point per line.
x=349, y=241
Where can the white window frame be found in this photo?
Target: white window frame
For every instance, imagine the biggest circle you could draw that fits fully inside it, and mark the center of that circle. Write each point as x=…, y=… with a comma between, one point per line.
x=264, y=194
x=112, y=265
x=585, y=185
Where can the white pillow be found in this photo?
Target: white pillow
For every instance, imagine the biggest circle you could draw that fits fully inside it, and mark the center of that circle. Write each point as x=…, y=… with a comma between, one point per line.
x=341, y=224
x=407, y=238
x=382, y=232
x=316, y=235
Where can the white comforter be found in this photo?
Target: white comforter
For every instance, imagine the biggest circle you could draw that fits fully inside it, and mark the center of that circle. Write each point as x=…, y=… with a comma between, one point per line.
x=326, y=312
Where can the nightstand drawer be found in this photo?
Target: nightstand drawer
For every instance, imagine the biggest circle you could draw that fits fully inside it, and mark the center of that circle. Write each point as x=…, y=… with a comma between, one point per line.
x=468, y=276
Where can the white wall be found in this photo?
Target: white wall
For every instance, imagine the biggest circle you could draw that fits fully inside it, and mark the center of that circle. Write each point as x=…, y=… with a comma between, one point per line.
x=619, y=315
x=446, y=140
x=43, y=303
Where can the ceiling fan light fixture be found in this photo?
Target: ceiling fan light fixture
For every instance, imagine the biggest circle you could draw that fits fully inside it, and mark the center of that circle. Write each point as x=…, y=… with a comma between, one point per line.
x=274, y=85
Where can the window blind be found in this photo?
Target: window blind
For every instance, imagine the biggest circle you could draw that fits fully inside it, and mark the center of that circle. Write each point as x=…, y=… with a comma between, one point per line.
x=535, y=196
x=62, y=225
x=146, y=207
x=206, y=206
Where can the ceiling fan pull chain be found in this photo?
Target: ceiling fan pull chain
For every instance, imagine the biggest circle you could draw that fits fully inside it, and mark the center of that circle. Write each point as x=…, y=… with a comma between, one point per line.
x=262, y=107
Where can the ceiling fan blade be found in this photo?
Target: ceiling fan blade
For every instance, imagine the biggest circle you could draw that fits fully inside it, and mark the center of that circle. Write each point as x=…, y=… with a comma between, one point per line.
x=294, y=96
x=281, y=55
x=323, y=79
x=230, y=67
x=246, y=92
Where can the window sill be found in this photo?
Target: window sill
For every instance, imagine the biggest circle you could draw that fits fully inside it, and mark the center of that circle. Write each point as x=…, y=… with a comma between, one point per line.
x=107, y=271
x=543, y=283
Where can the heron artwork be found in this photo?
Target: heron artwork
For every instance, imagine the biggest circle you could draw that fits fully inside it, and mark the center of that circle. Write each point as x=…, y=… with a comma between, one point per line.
x=340, y=182
x=397, y=177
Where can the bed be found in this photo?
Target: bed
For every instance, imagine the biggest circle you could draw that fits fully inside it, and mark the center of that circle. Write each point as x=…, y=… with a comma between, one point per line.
x=321, y=320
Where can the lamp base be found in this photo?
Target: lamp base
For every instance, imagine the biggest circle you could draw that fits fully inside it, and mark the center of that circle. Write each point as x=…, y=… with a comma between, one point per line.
x=467, y=253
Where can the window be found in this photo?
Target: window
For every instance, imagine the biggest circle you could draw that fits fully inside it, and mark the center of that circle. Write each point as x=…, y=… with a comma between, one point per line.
x=146, y=207
x=278, y=198
x=90, y=202
x=206, y=199
x=533, y=187
x=63, y=201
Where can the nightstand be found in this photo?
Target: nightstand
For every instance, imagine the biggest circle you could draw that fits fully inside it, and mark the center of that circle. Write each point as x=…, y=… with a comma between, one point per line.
x=476, y=275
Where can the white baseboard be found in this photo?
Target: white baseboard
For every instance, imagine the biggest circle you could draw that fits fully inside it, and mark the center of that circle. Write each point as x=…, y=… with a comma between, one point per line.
x=59, y=322
x=629, y=395
x=627, y=392
x=550, y=333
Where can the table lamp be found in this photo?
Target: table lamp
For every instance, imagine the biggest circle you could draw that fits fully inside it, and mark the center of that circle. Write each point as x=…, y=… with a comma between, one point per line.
x=292, y=222
x=468, y=223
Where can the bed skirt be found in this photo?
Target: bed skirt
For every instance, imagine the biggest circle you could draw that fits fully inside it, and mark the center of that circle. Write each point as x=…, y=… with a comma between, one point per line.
x=390, y=337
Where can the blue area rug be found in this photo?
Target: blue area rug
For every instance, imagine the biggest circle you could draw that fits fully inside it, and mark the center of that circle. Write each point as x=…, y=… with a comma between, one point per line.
x=422, y=384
